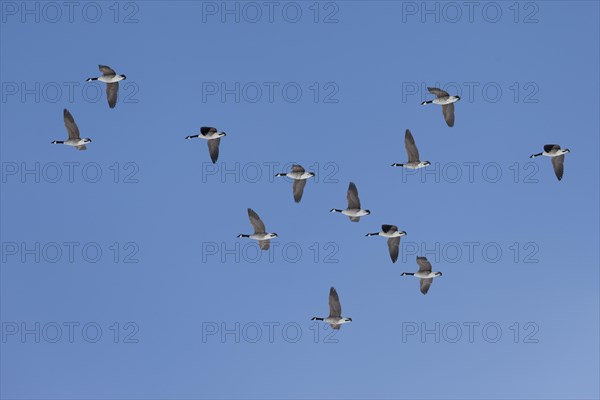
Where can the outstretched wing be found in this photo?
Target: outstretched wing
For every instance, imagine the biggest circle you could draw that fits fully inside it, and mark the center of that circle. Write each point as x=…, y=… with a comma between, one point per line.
x=437, y=92
x=264, y=244
x=558, y=163
x=70, y=125
x=425, y=284
x=353, y=200
x=213, y=149
x=112, y=91
x=335, y=308
x=298, y=169
x=424, y=264
x=207, y=129
x=81, y=147
x=106, y=70
x=389, y=228
x=411, y=147
x=448, y=111
x=299, y=189
x=257, y=224
x=394, y=247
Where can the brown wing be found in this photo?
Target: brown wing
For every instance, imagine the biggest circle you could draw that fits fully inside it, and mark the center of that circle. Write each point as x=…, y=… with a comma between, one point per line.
x=213, y=149
x=106, y=70
x=424, y=264
x=298, y=168
x=335, y=308
x=112, y=91
x=257, y=224
x=389, y=228
x=264, y=244
x=82, y=147
x=335, y=326
x=70, y=125
x=437, y=92
x=207, y=129
x=559, y=166
x=426, y=284
x=551, y=148
x=299, y=189
x=394, y=247
x=353, y=200
x=411, y=147
x=448, y=111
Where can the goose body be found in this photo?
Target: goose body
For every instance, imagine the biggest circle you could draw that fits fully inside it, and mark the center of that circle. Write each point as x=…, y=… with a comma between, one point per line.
x=424, y=273
x=74, y=139
x=213, y=138
x=393, y=236
x=299, y=175
x=413, y=154
x=260, y=232
x=335, y=319
x=557, y=156
x=447, y=101
x=112, y=79
x=354, y=210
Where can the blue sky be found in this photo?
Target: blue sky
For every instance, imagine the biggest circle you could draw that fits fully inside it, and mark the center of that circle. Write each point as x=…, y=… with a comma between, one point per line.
x=533, y=70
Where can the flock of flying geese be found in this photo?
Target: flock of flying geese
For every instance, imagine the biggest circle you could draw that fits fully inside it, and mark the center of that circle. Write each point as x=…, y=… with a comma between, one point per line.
x=354, y=211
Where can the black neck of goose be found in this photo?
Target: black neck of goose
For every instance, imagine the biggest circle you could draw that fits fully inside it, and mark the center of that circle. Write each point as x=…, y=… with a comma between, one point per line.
x=317, y=319
x=408, y=273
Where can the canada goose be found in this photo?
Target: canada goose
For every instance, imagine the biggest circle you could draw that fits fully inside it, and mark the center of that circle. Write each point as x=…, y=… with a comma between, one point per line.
x=391, y=232
x=558, y=158
x=335, y=318
x=413, y=154
x=424, y=273
x=354, y=212
x=299, y=175
x=213, y=138
x=111, y=78
x=74, y=139
x=446, y=101
x=260, y=233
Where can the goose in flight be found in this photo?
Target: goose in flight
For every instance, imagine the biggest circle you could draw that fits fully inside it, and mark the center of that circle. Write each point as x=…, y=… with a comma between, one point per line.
x=446, y=101
x=354, y=212
x=260, y=233
x=413, y=154
x=299, y=175
x=558, y=158
x=393, y=234
x=111, y=78
x=213, y=138
x=424, y=273
x=335, y=318
x=74, y=139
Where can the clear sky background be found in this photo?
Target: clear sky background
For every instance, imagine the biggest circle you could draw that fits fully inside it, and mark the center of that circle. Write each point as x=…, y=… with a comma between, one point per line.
x=372, y=58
